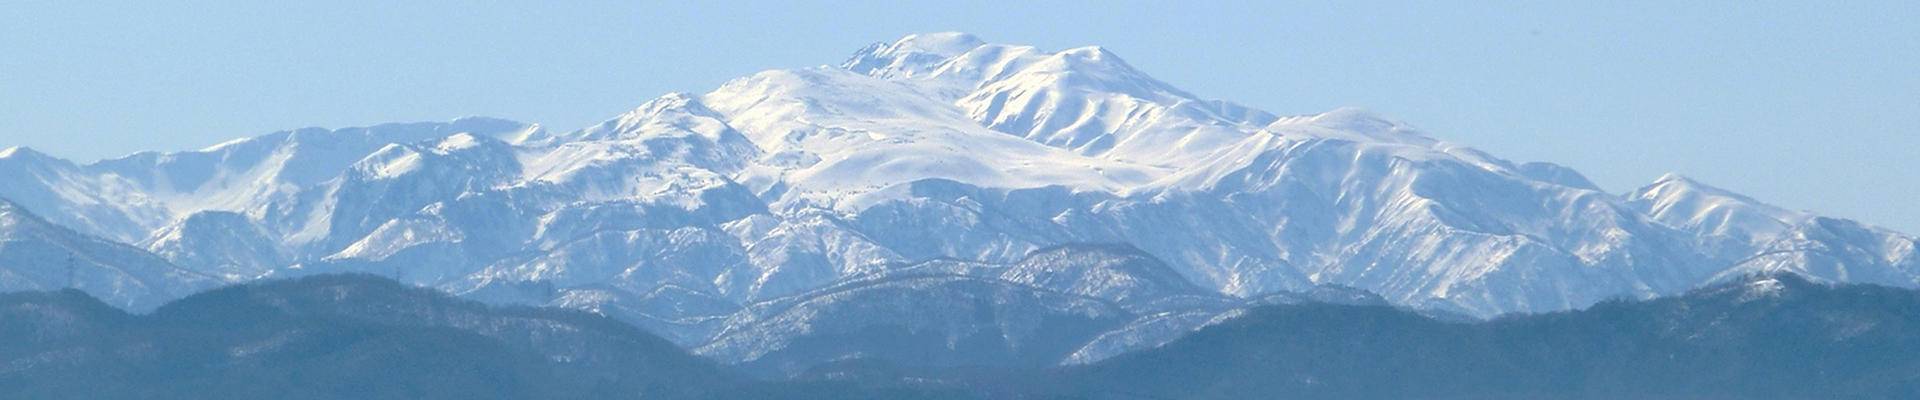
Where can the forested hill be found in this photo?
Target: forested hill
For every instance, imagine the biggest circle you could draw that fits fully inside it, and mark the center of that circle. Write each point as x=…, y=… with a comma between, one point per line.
x=1777, y=337
x=332, y=337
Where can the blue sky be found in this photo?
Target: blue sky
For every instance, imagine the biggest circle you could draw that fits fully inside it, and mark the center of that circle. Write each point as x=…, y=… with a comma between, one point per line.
x=1812, y=106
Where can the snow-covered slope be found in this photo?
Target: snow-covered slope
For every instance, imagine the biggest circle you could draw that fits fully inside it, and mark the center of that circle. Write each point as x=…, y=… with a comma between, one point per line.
x=1037, y=312
x=219, y=243
x=126, y=199
x=1762, y=239
x=694, y=208
x=1066, y=304
x=921, y=320
x=37, y=255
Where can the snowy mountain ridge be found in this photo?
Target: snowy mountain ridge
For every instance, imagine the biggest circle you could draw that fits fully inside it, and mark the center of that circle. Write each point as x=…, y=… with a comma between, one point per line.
x=37, y=255
x=688, y=211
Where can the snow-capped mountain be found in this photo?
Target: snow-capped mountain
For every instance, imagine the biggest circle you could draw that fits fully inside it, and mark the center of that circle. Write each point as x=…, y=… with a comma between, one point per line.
x=693, y=213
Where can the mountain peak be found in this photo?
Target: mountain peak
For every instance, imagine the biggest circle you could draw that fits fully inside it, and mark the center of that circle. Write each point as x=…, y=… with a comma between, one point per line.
x=502, y=129
x=911, y=55
x=22, y=152
x=485, y=124
x=1355, y=118
x=1094, y=53
x=1675, y=177
x=1682, y=202
x=945, y=44
x=1354, y=123
x=1105, y=69
x=1673, y=183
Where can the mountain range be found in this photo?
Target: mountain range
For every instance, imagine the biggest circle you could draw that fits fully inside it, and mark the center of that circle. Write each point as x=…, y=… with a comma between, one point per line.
x=939, y=198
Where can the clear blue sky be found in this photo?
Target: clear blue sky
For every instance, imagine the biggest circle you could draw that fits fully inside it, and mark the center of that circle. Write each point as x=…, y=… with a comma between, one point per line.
x=1812, y=106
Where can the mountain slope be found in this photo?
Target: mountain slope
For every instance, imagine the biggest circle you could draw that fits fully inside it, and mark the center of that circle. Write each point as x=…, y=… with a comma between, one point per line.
x=921, y=320
x=38, y=255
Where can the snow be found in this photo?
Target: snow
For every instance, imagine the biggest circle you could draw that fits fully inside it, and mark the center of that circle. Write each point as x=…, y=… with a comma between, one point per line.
x=912, y=54
x=1761, y=288
x=1690, y=205
x=394, y=236
x=871, y=134
x=943, y=44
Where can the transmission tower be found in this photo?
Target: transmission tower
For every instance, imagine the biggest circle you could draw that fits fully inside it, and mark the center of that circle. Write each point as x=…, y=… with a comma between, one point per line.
x=70, y=280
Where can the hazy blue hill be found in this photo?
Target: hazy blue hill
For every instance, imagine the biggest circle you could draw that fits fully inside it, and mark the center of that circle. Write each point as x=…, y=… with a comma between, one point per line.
x=333, y=337
x=1759, y=338
x=364, y=337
